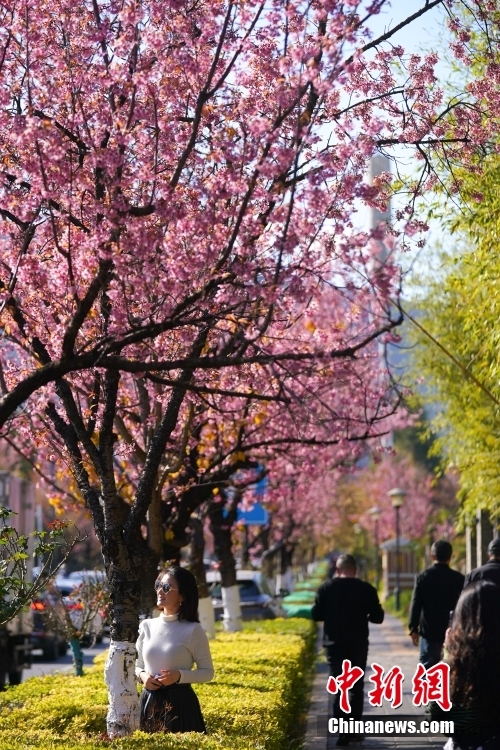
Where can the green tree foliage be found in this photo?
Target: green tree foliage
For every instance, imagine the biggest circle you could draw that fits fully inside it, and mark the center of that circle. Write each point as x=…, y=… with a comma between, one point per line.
x=461, y=310
x=16, y=588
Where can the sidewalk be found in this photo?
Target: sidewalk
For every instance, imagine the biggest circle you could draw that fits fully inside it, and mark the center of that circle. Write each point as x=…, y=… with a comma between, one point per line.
x=389, y=646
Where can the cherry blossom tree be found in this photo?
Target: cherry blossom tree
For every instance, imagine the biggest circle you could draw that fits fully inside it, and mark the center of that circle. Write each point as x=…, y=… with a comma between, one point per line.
x=376, y=481
x=179, y=190
x=226, y=444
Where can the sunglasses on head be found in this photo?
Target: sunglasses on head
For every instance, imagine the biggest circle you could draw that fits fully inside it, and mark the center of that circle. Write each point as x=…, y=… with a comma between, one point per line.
x=166, y=587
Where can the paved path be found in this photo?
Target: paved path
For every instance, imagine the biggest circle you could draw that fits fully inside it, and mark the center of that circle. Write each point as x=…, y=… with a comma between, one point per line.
x=389, y=646
x=42, y=667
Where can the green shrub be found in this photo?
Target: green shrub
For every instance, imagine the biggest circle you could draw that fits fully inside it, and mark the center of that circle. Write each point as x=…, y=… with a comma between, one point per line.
x=299, y=602
x=312, y=584
x=306, y=597
x=257, y=700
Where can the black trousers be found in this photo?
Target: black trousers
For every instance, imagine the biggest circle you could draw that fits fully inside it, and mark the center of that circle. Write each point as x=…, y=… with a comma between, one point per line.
x=357, y=656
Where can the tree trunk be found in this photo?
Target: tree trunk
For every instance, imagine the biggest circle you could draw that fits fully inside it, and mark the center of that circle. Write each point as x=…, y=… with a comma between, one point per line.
x=221, y=521
x=268, y=563
x=245, y=548
x=284, y=582
x=149, y=574
x=197, y=568
x=312, y=556
x=152, y=551
x=124, y=569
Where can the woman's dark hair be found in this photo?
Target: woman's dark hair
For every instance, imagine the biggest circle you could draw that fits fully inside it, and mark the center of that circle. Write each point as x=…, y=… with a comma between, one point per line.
x=473, y=646
x=188, y=589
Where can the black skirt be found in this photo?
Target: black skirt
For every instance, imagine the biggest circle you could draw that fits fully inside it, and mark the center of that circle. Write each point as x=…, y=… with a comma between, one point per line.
x=174, y=708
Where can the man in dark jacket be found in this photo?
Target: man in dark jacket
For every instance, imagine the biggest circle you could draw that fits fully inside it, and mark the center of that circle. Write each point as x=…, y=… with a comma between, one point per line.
x=345, y=604
x=491, y=570
x=435, y=595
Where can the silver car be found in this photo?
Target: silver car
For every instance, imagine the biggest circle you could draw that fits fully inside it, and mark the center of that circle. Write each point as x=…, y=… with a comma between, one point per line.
x=257, y=599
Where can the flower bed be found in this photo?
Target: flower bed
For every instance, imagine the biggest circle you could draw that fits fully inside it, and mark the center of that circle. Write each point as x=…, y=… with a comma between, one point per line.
x=257, y=700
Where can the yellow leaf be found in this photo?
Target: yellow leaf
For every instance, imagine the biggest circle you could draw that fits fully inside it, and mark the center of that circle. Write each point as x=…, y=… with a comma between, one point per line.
x=309, y=325
x=238, y=456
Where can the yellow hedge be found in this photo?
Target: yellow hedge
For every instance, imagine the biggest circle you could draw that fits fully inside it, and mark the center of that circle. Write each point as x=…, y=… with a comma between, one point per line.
x=257, y=700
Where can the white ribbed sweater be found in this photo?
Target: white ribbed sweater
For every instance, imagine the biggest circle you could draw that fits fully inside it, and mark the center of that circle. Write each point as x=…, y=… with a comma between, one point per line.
x=165, y=642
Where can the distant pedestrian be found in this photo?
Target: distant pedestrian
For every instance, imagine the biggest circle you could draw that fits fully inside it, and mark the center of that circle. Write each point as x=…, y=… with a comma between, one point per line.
x=473, y=653
x=332, y=564
x=490, y=571
x=435, y=595
x=345, y=604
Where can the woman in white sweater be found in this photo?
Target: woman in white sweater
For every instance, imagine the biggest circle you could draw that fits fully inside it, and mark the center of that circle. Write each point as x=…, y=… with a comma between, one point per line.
x=167, y=648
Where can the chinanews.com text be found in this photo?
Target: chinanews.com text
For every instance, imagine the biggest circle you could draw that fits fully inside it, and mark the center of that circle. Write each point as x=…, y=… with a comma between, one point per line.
x=383, y=726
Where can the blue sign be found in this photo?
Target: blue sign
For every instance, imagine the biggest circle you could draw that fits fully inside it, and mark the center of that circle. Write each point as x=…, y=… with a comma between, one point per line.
x=261, y=486
x=256, y=516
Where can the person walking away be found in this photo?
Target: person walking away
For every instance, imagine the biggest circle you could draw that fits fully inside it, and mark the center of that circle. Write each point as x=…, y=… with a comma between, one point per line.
x=167, y=648
x=473, y=654
x=490, y=571
x=345, y=604
x=434, y=597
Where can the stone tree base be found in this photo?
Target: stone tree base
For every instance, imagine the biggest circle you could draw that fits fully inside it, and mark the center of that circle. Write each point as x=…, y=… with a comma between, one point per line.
x=232, y=609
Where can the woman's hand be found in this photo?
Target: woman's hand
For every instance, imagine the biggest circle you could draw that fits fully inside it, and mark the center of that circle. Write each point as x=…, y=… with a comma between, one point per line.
x=446, y=637
x=149, y=681
x=168, y=677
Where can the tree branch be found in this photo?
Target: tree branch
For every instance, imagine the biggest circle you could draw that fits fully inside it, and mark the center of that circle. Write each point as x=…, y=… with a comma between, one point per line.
x=157, y=448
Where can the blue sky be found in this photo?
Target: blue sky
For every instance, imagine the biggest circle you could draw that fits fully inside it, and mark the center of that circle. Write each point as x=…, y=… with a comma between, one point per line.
x=426, y=33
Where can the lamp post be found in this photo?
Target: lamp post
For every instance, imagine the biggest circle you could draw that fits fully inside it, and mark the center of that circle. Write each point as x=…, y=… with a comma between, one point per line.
x=358, y=548
x=397, y=496
x=375, y=514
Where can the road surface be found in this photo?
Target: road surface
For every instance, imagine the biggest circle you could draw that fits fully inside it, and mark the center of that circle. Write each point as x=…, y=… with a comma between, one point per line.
x=42, y=666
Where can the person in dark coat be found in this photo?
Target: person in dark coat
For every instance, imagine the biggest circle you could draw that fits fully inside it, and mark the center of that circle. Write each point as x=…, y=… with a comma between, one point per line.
x=473, y=653
x=491, y=570
x=345, y=604
x=435, y=595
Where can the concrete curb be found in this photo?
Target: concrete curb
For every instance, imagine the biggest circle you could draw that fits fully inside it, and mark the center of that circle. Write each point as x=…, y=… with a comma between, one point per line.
x=319, y=701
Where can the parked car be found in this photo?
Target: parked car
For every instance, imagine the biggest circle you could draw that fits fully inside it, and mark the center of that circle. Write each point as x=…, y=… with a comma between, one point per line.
x=257, y=598
x=67, y=586
x=52, y=644
x=86, y=575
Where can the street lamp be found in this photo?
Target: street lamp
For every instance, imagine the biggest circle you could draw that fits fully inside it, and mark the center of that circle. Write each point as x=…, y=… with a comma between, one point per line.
x=375, y=513
x=359, y=548
x=397, y=496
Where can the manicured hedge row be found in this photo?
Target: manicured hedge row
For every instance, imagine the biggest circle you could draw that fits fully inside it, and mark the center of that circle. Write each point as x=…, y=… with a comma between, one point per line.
x=300, y=601
x=257, y=701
